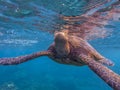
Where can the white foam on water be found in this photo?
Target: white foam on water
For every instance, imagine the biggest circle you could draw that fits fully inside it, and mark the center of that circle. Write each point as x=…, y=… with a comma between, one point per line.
x=18, y=42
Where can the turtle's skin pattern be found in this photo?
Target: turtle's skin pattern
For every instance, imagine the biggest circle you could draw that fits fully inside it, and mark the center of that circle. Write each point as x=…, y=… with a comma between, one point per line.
x=21, y=59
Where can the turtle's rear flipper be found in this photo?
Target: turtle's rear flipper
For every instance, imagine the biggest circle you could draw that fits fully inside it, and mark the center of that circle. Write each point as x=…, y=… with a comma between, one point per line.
x=106, y=62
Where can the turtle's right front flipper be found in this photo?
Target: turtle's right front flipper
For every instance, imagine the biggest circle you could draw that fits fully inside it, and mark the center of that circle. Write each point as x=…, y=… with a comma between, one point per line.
x=21, y=59
x=110, y=77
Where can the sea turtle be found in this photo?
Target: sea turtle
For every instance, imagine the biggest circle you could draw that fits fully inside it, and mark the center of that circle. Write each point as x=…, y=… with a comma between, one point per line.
x=70, y=46
x=68, y=49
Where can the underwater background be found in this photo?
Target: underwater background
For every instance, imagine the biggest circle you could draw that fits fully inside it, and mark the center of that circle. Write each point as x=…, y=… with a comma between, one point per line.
x=26, y=26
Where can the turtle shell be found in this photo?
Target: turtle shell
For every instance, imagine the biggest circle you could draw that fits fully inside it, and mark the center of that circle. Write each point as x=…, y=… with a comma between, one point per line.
x=71, y=58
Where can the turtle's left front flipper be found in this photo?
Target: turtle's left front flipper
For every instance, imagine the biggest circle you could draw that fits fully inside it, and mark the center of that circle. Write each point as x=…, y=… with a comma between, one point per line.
x=110, y=77
x=21, y=59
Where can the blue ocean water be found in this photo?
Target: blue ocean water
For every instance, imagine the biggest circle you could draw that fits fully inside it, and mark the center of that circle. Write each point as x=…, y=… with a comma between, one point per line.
x=26, y=26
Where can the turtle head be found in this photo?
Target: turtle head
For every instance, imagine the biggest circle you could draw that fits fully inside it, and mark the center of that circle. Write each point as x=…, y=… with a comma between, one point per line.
x=61, y=44
x=60, y=38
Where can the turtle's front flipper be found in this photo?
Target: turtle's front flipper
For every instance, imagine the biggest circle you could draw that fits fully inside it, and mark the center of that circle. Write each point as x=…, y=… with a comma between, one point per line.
x=106, y=62
x=21, y=59
x=110, y=77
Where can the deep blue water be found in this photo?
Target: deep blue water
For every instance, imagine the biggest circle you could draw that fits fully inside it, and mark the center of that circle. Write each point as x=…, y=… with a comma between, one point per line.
x=25, y=27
